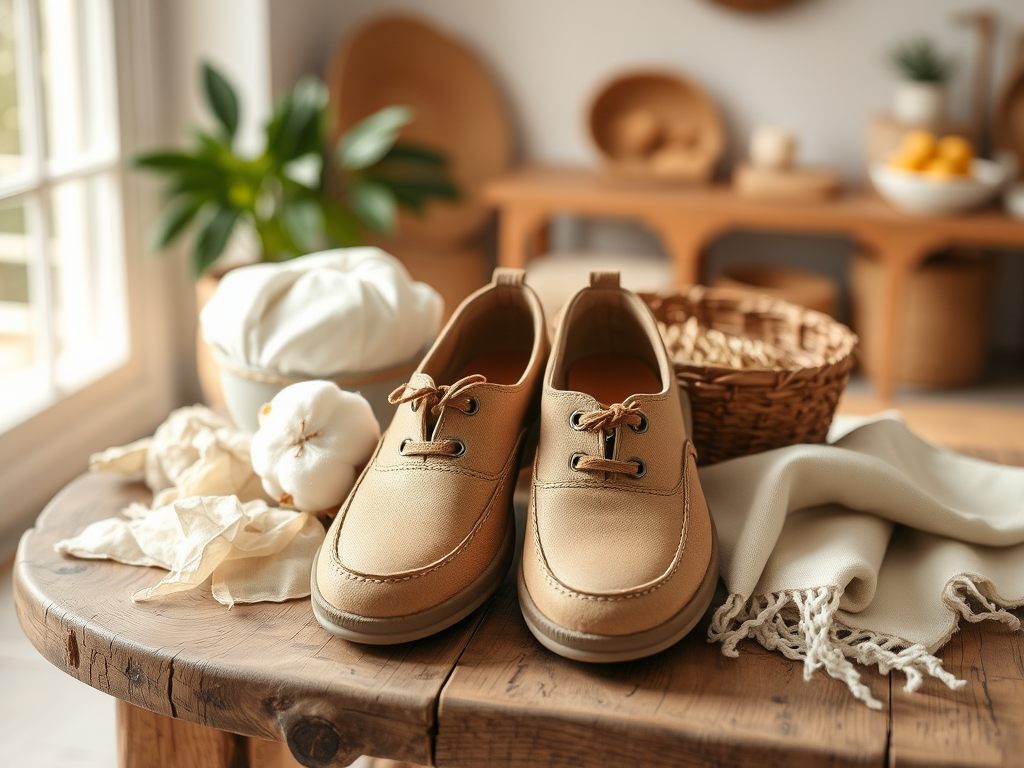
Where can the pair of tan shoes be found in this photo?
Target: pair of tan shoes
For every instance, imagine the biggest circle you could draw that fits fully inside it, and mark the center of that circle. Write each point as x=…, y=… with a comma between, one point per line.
x=620, y=558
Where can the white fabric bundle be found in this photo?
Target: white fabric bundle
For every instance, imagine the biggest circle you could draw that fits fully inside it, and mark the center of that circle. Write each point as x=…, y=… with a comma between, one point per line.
x=347, y=310
x=868, y=550
x=209, y=517
x=254, y=552
x=195, y=452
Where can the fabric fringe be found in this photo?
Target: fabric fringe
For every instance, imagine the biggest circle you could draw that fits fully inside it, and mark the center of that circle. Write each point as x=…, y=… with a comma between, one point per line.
x=802, y=625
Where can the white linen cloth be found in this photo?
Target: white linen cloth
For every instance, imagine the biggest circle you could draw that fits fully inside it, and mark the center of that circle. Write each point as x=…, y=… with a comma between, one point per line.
x=195, y=452
x=209, y=516
x=253, y=552
x=870, y=550
x=348, y=310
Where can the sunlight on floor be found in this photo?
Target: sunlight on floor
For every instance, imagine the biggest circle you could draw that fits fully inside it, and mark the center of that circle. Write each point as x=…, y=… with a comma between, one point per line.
x=47, y=718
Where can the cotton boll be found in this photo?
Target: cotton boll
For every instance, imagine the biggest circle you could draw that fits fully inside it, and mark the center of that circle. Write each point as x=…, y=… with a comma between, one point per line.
x=313, y=439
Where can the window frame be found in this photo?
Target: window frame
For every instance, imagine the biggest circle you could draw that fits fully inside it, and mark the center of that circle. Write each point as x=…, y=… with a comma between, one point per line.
x=41, y=454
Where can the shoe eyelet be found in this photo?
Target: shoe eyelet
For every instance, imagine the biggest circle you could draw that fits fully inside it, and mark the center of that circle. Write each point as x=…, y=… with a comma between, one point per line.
x=401, y=446
x=415, y=405
x=643, y=468
x=573, y=460
x=644, y=424
x=574, y=420
x=474, y=406
x=461, y=447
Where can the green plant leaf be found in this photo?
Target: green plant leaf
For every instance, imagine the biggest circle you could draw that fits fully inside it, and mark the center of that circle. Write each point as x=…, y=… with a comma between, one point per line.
x=303, y=222
x=171, y=161
x=919, y=60
x=424, y=186
x=369, y=140
x=375, y=205
x=296, y=127
x=213, y=238
x=415, y=154
x=221, y=97
x=340, y=226
x=174, y=220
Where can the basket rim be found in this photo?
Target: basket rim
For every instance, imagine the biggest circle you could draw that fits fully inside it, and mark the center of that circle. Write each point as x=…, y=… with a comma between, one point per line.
x=765, y=305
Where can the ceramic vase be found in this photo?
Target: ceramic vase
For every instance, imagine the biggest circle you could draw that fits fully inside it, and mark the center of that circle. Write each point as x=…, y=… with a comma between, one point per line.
x=919, y=104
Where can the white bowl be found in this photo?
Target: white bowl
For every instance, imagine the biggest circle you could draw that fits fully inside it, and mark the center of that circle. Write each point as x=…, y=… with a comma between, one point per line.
x=1014, y=200
x=915, y=193
x=246, y=389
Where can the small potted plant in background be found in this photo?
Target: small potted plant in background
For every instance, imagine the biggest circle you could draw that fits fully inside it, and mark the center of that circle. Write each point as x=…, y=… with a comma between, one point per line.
x=296, y=196
x=920, y=96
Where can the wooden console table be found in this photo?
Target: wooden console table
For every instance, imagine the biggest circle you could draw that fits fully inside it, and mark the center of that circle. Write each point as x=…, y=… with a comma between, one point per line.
x=264, y=686
x=688, y=218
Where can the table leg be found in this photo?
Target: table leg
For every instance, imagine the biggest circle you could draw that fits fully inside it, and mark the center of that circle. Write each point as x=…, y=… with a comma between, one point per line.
x=685, y=241
x=899, y=256
x=149, y=740
x=518, y=234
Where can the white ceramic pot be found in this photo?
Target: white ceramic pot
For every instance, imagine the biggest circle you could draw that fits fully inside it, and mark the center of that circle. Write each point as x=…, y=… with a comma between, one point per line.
x=772, y=148
x=246, y=389
x=920, y=104
x=1014, y=200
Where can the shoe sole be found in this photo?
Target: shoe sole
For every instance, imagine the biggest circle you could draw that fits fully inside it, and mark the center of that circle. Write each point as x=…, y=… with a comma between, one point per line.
x=403, y=629
x=605, y=649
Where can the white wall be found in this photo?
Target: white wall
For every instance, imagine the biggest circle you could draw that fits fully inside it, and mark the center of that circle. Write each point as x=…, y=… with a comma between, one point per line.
x=818, y=66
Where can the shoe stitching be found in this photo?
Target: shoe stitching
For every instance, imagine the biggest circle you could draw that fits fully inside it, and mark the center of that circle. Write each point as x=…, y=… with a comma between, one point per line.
x=579, y=484
x=463, y=545
x=440, y=468
x=680, y=548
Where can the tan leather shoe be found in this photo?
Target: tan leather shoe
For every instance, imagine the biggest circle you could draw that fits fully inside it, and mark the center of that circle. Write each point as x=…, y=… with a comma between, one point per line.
x=428, y=533
x=621, y=555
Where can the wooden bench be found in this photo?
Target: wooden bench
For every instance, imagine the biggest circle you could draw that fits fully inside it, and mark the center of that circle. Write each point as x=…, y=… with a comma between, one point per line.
x=688, y=218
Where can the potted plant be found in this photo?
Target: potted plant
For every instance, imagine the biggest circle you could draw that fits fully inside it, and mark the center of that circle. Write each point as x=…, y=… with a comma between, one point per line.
x=294, y=197
x=920, y=96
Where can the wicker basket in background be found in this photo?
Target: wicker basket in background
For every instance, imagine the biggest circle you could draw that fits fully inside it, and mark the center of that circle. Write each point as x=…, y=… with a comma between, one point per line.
x=737, y=412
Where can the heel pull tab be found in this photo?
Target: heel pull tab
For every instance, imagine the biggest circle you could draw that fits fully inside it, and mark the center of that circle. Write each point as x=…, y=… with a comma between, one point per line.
x=508, y=276
x=601, y=279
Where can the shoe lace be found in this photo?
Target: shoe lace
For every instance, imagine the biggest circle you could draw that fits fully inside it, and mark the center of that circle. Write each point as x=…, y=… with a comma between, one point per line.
x=436, y=399
x=605, y=420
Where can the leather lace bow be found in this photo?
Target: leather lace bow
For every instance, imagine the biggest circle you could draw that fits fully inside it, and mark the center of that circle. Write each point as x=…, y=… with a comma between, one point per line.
x=436, y=399
x=605, y=420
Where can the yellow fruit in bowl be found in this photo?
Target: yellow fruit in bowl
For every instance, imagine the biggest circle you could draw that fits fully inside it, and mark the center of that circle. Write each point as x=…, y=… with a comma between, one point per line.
x=920, y=144
x=941, y=169
x=956, y=148
x=962, y=167
x=905, y=162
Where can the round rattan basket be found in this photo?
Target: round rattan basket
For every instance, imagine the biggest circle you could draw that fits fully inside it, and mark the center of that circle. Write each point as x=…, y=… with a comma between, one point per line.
x=737, y=412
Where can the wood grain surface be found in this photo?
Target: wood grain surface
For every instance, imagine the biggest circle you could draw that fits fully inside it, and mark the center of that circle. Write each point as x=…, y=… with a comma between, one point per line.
x=979, y=725
x=511, y=702
x=268, y=670
x=983, y=723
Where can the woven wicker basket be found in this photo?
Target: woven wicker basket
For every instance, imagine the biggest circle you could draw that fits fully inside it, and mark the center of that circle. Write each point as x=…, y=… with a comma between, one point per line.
x=737, y=412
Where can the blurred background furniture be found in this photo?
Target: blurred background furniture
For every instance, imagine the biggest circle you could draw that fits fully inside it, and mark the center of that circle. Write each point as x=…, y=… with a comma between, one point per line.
x=458, y=109
x=687, y=218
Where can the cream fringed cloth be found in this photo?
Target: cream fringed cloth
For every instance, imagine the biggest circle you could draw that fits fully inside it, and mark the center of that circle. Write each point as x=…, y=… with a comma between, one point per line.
x=210, y=519
x=869, y=550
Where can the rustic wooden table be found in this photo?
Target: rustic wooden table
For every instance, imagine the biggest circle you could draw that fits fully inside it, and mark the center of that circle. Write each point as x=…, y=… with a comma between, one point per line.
x=688, y=218
x=190, y=675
